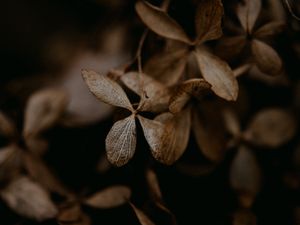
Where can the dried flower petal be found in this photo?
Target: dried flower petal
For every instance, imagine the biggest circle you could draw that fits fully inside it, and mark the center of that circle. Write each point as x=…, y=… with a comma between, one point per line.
x=7, y=128
x=209, y=131
x=208, y=20
x=121, y=141
x=271, y=128
x=266, y=58
x=106, y=89
x=245, y=176
x=218, y=74
x=159, y=22
x=153, y=131
x=230, y=47
x=167, y=66
x=247, y=12
x=269, y=29
x=142, y=217
x=191, y=88
x=110, y=197
x=157, y=95
x=29, y=199
x=175, y=136
x=44, y=108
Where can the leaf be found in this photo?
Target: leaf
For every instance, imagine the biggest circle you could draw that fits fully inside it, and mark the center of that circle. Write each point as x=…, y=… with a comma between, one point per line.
x=218, y=74
x=175, y=136
x=266, y=58
x=271, y=128
x=142, y=217
x=7, y=128
x=153, y=132
x=168, y=66
x=109, y=198
x=40, y=172
x=268, y=30
x=43, y=110
x=28, y=199
x=247, y=13
x=121, y=141
x=245, y=176
x=159, y=22
x=208, y=20
x=196, y=87
x=157, y=95
x=209, y=131
x=106, y=89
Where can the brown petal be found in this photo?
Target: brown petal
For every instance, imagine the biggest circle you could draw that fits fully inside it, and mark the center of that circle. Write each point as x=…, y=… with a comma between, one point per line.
x=167, y=66
x=175, y=136
x=44, y=108
x=29, y=199
x=7, y=128
x=269, y=29
x=245, y=176
x=230, y=47
x=208, y=20
x=271, y=128
x=40, y=172
x=153, y=185
x=142, y=217
x=247, y=13
x=218, y=74
x=153, y=131
x=191, y=88
x=266, y=58
x=209, y=131
x=159, y=22
x=109, y=198
x=10, y=161
x=106, y=89
x=242, y=70
x=231, y=122
x=157, y=95
x=121, y=141
x=36, y=144
x=73, y=215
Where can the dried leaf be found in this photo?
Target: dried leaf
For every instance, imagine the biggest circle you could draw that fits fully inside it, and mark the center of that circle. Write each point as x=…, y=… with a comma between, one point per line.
x=159, y=22
x=218, y=74
x=175, y=136
x=121, y=141
x=196, y=87
x=153, y=185
x=29, y=199
x=208, y=20
x=109, y=198
x=40, y=172
x=209, y=131
x=167, y=66
x=271, y=128
x=266, y=58
x=43, y=110
x=157, y=95
x=153, y=132
x=268, y=30
x=106, y=89
x=142, y=217
x=245, y=176
x=7, y=128
x=247, y=13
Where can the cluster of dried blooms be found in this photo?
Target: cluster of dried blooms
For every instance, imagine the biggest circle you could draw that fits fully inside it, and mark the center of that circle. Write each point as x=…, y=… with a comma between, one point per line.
x=185, y=88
